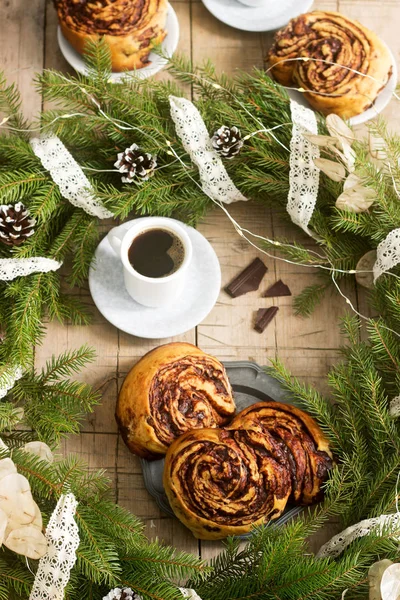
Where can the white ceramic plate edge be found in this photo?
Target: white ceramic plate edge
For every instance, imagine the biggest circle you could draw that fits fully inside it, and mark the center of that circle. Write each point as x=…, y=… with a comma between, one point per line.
x=221, y=13
x=169, y=46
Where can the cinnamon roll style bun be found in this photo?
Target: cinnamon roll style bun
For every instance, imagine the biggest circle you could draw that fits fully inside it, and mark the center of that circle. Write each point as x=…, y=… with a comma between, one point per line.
x=222, y=483
x=322, y=38
x=301, y=440
x=171, y=390
x=130, y=27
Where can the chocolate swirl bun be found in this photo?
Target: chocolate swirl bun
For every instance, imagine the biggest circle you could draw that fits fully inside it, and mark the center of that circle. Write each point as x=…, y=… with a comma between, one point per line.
x=172, y=389
x=222, y=483
x=306, y=450
x=130, y=27
x=331, y=37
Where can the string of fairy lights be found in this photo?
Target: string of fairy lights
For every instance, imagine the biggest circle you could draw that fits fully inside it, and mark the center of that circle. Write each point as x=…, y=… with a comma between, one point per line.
x=170, y=151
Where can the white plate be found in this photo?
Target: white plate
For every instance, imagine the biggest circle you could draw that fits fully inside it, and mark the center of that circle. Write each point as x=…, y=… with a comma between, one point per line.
x=274, y=14
x=382, y=100
x=157, y=63
x=108, y=291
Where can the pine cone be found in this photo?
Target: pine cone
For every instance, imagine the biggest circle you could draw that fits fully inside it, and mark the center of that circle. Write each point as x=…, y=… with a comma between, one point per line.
x=121, y=594
x=15, y=224
x=227, y=141
x=137, y=165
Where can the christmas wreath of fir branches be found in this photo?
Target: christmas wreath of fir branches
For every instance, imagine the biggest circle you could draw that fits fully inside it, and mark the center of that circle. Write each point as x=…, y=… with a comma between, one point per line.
x=274, y=563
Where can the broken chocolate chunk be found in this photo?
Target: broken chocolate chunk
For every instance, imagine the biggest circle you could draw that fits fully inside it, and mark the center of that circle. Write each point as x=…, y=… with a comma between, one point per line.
x=248, y=280
x=264, y=318
x=277, y=289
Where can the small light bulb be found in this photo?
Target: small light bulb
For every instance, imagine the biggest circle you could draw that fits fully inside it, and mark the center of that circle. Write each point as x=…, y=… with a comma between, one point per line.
x=168, y=142
x=352, y=271
x=300, y=89
x=170, y=153
x=216, y=86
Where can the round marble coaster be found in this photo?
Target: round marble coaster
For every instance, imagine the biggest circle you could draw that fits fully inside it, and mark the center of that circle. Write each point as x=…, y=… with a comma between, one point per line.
x=156, y=62
x=108, y=291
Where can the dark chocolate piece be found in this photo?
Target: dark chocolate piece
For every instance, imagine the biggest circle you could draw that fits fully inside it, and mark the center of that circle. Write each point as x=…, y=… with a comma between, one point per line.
x=264, y=318
x=277, y=289
x=248, y=280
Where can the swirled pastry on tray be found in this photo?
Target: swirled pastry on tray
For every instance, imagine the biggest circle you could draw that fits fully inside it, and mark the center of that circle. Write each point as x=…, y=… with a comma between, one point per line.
x=173, y=389
x=130, y=27
x=222, y=482
x=308, y=457
x=322, y=38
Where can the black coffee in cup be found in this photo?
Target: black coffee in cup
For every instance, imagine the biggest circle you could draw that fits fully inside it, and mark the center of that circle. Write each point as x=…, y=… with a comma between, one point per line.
x=156, y=253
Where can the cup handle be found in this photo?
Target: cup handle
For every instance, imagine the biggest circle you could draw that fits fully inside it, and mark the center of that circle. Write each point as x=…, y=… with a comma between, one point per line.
x=115, y=236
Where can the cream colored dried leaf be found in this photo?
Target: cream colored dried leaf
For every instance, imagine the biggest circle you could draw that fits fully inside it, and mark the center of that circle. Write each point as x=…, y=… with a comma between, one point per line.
x=377, y=147
x=3, y=525
x=39, y=449
x=351, y=181
x=37, y=521
x=354, y=200
x=365, y=275
x=28, y=541
x=324, y=141
x=7, y=467
x=375, y=576
x=338, y=128
x=390, y=584
x=16, y=500
x=333, y=170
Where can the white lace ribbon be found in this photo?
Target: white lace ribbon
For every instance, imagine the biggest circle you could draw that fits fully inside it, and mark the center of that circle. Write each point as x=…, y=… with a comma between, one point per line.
x=339, y=542
x=387, y=254
x=62, y=537
x=193, y=133
x=303, y=175
x=8, y=380
x=10, y=268
x=68, y=175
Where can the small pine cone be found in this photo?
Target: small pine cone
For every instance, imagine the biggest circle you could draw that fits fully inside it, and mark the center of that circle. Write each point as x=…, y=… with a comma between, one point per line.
x=137, y=165
x=121, y=594
x=227, y=141
x=15, y=224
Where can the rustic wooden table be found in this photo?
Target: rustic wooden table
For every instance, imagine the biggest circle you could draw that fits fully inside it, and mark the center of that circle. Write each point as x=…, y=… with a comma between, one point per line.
x=308, y=347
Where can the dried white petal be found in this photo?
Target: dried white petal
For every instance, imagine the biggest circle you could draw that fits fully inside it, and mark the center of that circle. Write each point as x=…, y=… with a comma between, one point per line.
x=377, y=147
x=356, y=200
x=16, y=500
x=333, y=170
x=28, y=541
x=390, y=584
x=3, y=525
x=375, y=576
x=364, y=268
x=39, y=449
x=351, y=181
x=7, y=467
x=324, y=141
x=338, y=128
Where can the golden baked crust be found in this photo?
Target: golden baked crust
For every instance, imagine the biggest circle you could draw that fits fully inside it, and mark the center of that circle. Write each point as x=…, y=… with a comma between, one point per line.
x=306, y=447
x=173, y=389
x=221, y=483
x=130, y=27
x=335, y=39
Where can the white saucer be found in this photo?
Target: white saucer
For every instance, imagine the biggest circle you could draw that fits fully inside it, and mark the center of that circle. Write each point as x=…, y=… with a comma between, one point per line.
x=108, y=291
x=157, y=63
x=274, y=14
x=382, y=100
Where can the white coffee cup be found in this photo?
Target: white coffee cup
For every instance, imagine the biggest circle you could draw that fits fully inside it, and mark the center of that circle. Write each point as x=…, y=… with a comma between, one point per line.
x=151, y=291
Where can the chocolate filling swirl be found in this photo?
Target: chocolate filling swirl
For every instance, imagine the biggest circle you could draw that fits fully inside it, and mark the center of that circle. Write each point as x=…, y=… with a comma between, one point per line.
x=106, y=17
x=188, y=394
x=228, y=478
x=307, y=455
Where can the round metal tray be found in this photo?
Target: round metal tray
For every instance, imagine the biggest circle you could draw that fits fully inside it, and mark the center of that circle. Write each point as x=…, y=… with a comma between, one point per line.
x=250, y=384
